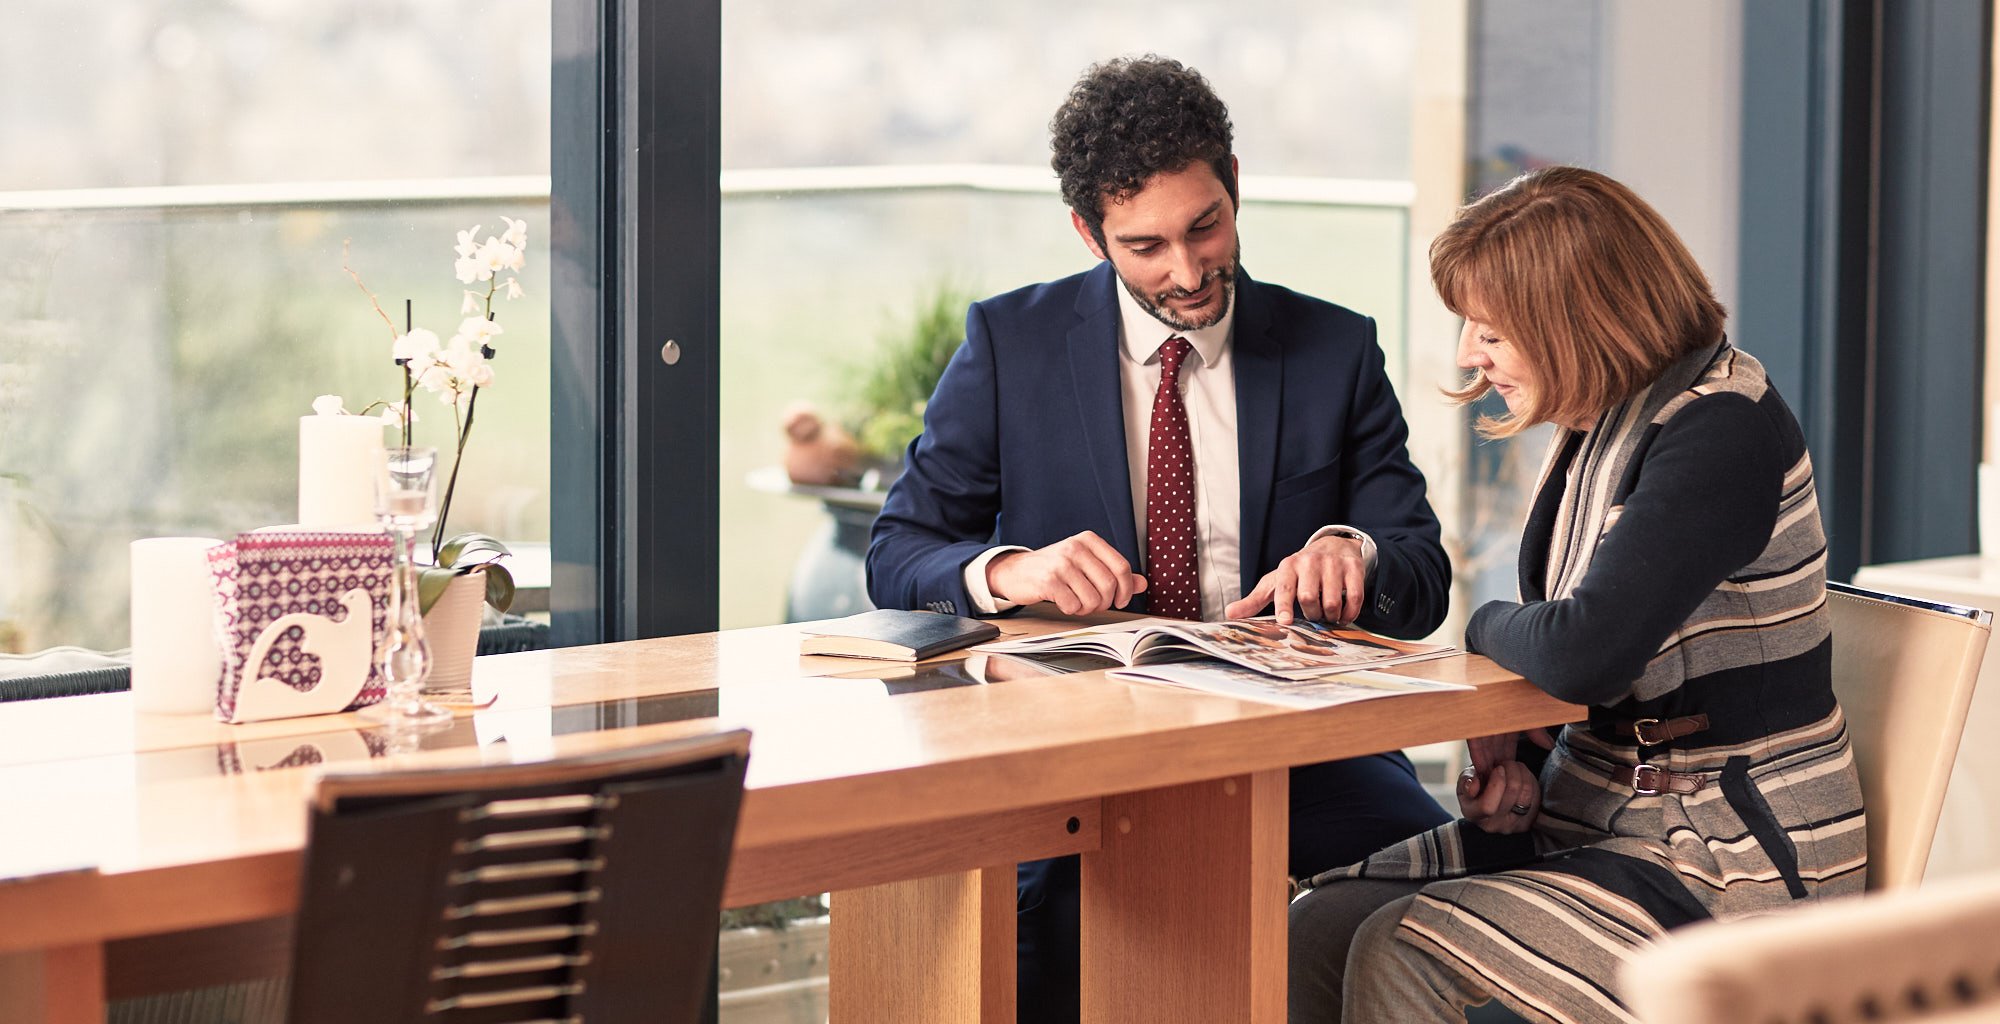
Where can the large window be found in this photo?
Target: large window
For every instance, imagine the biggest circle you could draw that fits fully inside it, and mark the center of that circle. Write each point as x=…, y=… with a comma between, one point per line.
x=881, y=166
x=177, y=182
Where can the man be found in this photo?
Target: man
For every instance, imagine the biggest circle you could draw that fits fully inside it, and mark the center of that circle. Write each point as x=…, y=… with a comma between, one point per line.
x=1163, y=434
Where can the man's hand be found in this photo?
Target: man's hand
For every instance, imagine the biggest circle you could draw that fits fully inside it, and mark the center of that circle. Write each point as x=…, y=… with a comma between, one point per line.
x=1327, y=579
x=1498, y=793
x=1080, y=574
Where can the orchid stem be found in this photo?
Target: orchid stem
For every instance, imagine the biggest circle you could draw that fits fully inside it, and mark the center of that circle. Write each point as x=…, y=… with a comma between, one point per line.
x=451, y=486
x=408, y=386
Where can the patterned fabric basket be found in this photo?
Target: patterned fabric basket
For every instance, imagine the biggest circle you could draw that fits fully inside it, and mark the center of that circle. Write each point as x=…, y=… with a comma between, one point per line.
x=261, y=577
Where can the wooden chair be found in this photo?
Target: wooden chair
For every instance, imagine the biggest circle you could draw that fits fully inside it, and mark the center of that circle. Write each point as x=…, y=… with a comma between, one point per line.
x=576, y=890
x=1904, y=671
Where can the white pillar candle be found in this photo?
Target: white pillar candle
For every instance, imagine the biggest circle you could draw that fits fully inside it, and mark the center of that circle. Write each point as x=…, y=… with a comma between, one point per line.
x=338, y=459
x=176, y=659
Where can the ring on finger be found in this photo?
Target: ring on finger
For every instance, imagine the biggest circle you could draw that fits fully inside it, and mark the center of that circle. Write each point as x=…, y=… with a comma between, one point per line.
x=1521, y=809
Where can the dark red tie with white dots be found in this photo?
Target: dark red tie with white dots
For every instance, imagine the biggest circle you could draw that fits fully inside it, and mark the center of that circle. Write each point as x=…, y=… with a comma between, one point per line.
x=1173, y=578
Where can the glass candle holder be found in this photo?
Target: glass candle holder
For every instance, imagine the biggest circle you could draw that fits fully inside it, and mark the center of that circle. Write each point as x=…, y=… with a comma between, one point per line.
x=406, y=505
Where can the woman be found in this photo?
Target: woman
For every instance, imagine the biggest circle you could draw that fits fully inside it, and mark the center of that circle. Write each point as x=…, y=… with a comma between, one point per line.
x=1672, y=578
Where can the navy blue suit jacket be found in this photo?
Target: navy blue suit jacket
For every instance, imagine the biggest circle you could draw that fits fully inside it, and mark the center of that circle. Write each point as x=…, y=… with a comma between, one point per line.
x=1024, y=443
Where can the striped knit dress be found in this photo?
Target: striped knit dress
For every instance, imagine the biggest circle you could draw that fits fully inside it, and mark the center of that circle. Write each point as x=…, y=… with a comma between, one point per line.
x=1672, y=569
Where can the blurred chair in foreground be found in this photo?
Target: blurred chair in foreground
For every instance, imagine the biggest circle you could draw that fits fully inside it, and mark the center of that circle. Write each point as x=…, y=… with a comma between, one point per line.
x=576, y=890
x=1931, y=954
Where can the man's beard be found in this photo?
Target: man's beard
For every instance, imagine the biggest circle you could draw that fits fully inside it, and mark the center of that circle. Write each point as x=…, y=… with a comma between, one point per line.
x=1157, y=305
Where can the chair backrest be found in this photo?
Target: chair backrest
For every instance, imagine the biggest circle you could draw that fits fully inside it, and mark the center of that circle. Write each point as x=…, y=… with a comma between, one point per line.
x=1924, y=954
x=583, y=889
x=1904, y=670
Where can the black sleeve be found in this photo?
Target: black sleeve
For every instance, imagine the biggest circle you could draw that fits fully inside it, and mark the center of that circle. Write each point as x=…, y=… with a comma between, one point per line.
x=1384, y=495
x=940, y=513
x=1702, y=507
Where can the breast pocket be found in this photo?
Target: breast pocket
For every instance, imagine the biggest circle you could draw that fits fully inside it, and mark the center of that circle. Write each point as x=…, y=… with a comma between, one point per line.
x=1302, y=503
x=1308, y=482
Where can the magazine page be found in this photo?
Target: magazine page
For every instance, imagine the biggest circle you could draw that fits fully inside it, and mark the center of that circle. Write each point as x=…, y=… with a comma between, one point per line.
x=1114, y=640
x=996, y=668
x=1326, y=691
x=1303, y=649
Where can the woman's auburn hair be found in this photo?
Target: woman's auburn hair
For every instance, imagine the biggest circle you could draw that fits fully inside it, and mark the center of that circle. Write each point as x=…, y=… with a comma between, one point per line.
x=1585, y=280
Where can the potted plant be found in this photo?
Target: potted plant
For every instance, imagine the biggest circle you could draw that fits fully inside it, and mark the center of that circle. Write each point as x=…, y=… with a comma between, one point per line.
x=882, y=408
x=464, y=568
x=847, y=461
x=887, y=393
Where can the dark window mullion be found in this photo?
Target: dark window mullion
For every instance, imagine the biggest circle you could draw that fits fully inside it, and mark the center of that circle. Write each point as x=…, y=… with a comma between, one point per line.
x=635, y=227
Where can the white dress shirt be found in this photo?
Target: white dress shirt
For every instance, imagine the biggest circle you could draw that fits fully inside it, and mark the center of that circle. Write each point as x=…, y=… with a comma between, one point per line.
x=1208, y=390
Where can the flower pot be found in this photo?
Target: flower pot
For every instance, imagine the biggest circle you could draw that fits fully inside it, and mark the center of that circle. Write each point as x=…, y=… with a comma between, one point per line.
x=451, y=630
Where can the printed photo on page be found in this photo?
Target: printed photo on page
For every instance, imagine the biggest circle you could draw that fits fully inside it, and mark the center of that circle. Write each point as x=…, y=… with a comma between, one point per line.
x=1298, y=650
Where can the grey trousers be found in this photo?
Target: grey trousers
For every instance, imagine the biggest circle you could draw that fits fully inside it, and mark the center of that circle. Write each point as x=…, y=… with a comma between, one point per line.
x=1347, y=964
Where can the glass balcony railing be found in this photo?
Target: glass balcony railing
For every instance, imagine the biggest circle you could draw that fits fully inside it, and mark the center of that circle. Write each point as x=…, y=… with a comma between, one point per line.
x=157, y=345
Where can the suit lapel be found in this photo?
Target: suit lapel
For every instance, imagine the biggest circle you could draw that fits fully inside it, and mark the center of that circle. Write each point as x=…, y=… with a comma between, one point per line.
x=1093, y=360
x=1260, y=366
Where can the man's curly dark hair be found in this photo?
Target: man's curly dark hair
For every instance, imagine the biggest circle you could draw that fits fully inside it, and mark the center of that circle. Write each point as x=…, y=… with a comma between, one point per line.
x=1129, y=119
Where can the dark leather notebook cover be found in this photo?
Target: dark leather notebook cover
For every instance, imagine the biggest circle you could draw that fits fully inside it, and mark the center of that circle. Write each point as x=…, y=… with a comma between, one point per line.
x=895, y=635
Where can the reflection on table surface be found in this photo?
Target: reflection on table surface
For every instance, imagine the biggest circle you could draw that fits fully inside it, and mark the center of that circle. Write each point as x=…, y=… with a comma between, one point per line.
x=529, y=730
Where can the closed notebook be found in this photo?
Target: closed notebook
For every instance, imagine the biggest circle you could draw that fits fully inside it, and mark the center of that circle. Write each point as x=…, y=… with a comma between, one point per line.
x=893, y=635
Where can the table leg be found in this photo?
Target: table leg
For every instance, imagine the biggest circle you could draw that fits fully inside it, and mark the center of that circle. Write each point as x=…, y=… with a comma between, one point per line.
x=1184, y=905
x=932, y=951
x=54, y=986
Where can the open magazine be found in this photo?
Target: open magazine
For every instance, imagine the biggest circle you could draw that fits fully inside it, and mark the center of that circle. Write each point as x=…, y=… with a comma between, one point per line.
x=1301, y=650
x=1325, y=691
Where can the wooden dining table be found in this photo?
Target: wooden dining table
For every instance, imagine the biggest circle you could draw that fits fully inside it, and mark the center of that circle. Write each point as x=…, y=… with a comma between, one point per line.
x=143, y=852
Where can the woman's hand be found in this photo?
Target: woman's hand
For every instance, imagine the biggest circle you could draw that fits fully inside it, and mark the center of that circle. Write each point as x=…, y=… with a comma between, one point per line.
x=1498, y=793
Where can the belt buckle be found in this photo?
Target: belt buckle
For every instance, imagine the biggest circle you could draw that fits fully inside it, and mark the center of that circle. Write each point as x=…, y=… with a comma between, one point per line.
x=1646, y=779
x=1642, y=726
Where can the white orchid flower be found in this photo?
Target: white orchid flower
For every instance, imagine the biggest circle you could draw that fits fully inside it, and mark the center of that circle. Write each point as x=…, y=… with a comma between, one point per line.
x=468, y=242
x=495, y=256
x=481, y=376
x=462, y=355
x=435, y=377
x=468, y=270
x=419, y=342
x=329, y=405
x=516, y=234
x=471, y=302
x=478, y=331
x=514, y=288
x=421, y=363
